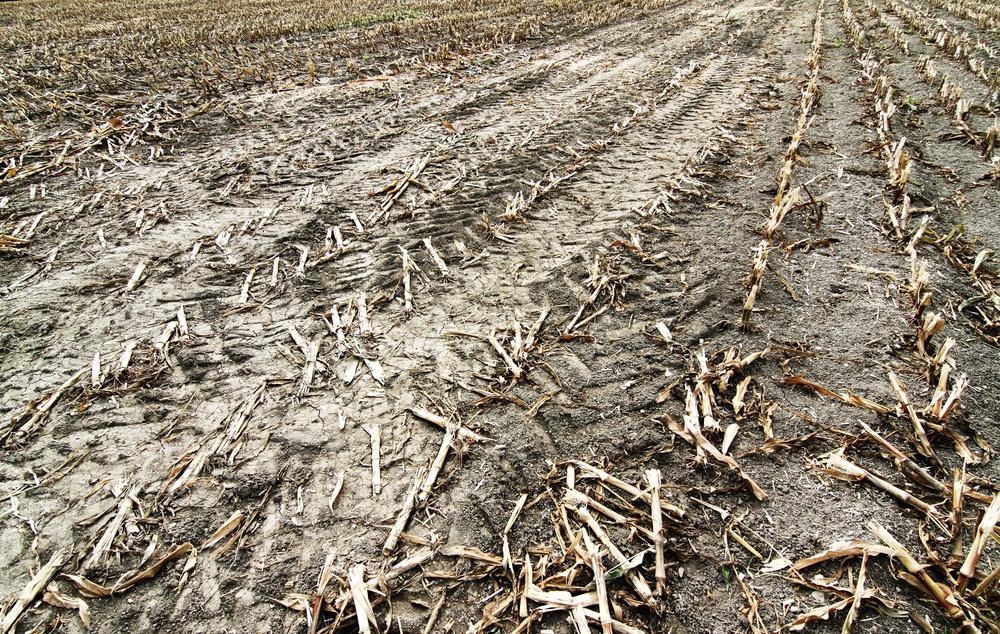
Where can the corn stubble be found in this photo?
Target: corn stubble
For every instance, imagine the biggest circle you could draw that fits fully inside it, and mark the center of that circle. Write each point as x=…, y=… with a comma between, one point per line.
x=85, y=85
x=786, y=199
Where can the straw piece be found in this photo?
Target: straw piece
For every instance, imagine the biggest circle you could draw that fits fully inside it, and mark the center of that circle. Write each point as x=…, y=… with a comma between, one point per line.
x=602, y=589
x=404, y=515
x=428, y=486
x=43, y=411
x=34, y=588
x=838, y=463
x=443, y=422
x=924, y=445
x=935, y=590
x=653, y=476
x=983, y=531
x=628, y=488
x=577, y=502
x=362, y=605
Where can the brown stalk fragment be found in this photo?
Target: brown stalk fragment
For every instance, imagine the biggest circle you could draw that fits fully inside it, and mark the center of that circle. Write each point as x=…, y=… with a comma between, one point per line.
x=42, y=412
x=126, y=356
x=443, y=422
x=397, y=190
x=362, y=604
x=133, y=281
x=809, y=385
x=375, y=367
x=336, y=327
x=189, y=565
x=602, y=589
x=705, y=444
x=227, y=439
x=752, y=611
x=578, y=502
x=838, y=550
x=404, y=515
x=310, y=349
x=90, y=589
x=522, y=628
x=507, y=559
x=956, y=393
x=740, y=396
x=823, y=613
x=227, y=527
x=529, y=340
x=957, y=522
x=859, y=401
x=432, y=619
x=559, y=598
x=438, y=260
x=95, y=371
x=245, y=290
x=364, y=325
x=618, y=517
x=312, y=616
x=182, y=324
x=528, y=572
x=533, y=410
x=987, y=584
x=947, y=601
x=34, y=587
x=838, y=466
x=275, y=266
x=731, y=430
x=418, y=558
x=491, y=613
x=336, y=490
x=11, y=241
x=409, y=266
x=375, y=431
x=859, y=589
x=240, y=537
x=300, y=268
x=428, y=486
x=628, y=488
x=53, y=596
x=744, y=543
x=513, y=367
x=653, y=476
x=914, y=471
x=163, y=341
x=125, y=501
x=617, y=626
x=983, y=532
x=469, y=552
x=763, y=250
x=924, y=445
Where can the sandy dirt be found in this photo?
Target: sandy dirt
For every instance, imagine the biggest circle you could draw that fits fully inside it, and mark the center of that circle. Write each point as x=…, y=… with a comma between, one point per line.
x=617, y=180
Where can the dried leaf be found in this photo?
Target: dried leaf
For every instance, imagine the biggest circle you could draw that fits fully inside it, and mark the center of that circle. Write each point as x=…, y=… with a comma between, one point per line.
x=849, y=548
x=809, y=385
x=470, y=552
x=153, y=570
x=776, y=564
x=351, y=371
x=87, y=587
x=227, y=527
x=54, y=597
x=823, y=613
x=376, y=369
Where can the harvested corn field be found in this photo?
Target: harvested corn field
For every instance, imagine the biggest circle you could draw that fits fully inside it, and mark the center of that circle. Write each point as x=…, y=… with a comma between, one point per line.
x=469, y=316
